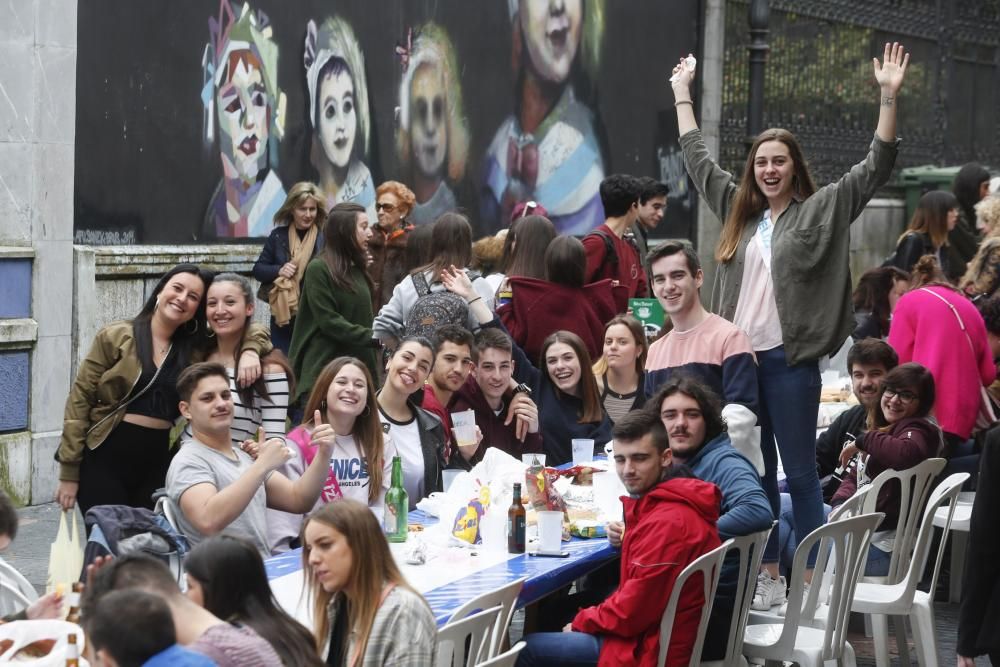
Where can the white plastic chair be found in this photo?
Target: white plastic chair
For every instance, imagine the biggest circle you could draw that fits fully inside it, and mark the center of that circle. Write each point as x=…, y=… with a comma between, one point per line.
x=915, y=486
x=808, y=646
x=903, y=598
x=475, y=630
x=506, y=659
x=11, y=576
x=506, y=597
x=750, y=550
x=710, y=567
x=960, y=524
x=850, y=507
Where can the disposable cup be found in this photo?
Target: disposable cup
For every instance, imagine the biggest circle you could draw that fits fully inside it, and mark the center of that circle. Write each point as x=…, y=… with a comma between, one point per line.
x=463, y=418
x=583, y=450
x=550, y=531
x=492, y=530
x=448, y=476
x=465, y=435
x=529, y=459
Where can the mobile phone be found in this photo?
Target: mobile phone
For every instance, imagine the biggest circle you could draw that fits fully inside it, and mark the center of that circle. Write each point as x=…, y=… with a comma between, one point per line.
x=547, y=554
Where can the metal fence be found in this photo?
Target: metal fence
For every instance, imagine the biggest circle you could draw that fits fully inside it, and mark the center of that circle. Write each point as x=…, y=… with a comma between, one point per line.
x=819, y=81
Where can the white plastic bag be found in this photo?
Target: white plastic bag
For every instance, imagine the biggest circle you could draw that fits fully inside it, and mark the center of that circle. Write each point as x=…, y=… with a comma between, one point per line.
x=22, y=633
x=65, y=556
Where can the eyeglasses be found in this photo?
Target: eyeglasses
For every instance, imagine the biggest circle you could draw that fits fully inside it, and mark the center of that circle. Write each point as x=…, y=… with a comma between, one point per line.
x=905, y=397
x=388, y=208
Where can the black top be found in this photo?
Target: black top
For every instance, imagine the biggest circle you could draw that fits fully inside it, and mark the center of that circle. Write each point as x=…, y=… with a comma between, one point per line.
x=155, y=394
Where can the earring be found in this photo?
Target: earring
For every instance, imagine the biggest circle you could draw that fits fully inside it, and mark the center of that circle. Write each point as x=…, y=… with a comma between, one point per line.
x=194, y=329
x=209, y=331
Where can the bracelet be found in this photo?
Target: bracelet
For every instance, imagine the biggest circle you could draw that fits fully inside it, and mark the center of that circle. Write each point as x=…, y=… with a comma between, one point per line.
x=679, y=102
x=478, y=298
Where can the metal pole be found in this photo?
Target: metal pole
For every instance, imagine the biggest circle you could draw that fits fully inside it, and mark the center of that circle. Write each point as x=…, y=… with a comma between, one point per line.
x=760, y=14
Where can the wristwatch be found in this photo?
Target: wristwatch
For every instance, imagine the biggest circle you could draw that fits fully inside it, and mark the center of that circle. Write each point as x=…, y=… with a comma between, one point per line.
x=522, y=389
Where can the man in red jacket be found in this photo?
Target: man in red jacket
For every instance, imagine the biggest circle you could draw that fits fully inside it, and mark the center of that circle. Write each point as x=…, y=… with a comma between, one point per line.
x=670, y=521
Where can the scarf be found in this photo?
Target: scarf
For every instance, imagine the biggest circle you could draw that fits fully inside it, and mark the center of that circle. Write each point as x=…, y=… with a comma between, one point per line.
x=284, y=296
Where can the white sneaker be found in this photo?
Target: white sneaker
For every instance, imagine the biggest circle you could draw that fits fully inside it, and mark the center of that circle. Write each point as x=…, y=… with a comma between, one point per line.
x=770, y=592
x=805, y=595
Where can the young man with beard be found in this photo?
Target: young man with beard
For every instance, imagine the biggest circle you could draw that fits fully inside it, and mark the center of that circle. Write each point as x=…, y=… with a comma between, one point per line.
x=868, y=361
x=703, y=345
x=454, y=359
x=504, y=410
x=692, y=416
x=216, y=487
x=671, y=521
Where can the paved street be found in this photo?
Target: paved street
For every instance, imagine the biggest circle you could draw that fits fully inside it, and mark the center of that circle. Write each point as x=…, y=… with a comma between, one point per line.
x=39, y=524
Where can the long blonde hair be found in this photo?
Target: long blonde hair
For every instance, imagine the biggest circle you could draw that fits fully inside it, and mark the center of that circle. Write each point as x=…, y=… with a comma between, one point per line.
x=367, y=430
x=372, y=567
x=638, y=335
x=298, y=195
x=749, y=202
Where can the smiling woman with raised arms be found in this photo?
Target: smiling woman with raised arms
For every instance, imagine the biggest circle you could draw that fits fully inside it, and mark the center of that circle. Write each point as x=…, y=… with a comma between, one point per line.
x=784, y=278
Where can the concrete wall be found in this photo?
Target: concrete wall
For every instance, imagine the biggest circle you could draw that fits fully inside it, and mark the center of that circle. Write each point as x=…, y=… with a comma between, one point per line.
x=37, y=133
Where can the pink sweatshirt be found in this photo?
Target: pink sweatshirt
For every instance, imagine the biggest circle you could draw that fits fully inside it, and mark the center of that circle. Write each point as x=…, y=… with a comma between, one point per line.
x=926, y=330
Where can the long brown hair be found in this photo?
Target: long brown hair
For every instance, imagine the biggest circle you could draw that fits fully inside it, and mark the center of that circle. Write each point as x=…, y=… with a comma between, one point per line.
x=593, y=411
x=372, y=567
x=931, y=216
x=749, y=202
x=634, y=327
x=298, y=195
x=451, y=245
x=341, y=250
x=367, y=429
x=525, y=246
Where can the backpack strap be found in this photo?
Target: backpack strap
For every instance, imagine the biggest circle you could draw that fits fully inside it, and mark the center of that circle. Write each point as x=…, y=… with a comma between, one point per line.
x=420, y=283
x=609, y=247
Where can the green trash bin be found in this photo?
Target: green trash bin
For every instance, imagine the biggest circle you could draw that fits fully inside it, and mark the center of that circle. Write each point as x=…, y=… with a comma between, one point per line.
x=916, y=181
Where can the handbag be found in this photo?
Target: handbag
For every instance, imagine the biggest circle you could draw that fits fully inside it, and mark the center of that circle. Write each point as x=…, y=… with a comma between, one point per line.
x=985, y=418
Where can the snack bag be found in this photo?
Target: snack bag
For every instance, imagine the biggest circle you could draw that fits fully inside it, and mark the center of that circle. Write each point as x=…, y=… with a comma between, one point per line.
x=542, y=493
x=466, y=526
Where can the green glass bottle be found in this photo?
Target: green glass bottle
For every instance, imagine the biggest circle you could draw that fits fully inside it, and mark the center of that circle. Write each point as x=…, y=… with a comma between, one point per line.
x=397, y=505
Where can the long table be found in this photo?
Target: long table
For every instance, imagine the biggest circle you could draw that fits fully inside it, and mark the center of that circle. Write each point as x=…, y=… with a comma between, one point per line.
x=456, y=574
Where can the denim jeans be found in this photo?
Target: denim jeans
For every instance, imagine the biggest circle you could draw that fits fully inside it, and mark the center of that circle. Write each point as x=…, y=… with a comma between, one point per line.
x=281, y=337
x=569, y=649
x=789, y=406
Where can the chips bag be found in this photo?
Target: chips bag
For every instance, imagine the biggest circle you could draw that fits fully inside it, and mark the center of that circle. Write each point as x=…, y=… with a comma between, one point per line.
x=466, y=526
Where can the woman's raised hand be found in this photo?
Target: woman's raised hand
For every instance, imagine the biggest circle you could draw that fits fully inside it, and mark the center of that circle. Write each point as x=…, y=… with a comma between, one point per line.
x=455, y=280
x=680, y=79
x=889, y=74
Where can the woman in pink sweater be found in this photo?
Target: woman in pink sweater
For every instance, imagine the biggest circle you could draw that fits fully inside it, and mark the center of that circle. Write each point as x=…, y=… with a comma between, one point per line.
x=935, y=325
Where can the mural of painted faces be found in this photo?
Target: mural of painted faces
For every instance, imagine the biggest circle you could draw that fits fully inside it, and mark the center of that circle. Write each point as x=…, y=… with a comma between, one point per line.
x=428, y=140
x=338, y=120
x=552, y=30
x=242, y=107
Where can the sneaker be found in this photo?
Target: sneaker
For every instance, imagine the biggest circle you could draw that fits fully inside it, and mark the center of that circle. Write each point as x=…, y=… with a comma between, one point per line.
x=770, y=592
x=805, y=595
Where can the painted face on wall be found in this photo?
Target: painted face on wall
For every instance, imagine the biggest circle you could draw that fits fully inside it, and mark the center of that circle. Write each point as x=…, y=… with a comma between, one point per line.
x=551, y=30
x=428, y=138
x=242, y=104
x=338, y=119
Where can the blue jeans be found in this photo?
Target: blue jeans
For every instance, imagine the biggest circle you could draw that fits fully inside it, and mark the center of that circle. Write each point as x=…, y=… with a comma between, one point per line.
x=570, y=649
x=281, y=337
x=877, y=564
x=789, y=406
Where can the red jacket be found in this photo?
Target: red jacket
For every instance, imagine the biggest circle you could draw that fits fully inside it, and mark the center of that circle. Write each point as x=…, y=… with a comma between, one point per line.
x=666, y=530
x=539, y=308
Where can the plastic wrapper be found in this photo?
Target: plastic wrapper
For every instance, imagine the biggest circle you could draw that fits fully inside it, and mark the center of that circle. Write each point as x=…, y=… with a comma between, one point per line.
x=466, y=525
x=587, y=528
x=542, y=492
x=416, y=550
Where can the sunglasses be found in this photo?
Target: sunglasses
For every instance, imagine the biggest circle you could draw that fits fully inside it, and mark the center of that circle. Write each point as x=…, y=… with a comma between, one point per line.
x=388, y=208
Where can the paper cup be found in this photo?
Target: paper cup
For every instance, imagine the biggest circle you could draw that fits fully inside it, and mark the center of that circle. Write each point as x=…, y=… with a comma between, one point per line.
x=447, y=477
x=493, y=531
x=463, y=418
x=583, y=450
x=550, y=532
x=529, y=459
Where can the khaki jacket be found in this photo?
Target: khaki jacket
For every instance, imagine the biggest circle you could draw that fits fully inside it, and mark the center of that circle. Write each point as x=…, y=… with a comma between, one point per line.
x=96, y=402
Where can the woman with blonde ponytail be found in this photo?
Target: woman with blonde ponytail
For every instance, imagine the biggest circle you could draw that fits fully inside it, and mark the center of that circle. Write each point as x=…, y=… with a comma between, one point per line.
x=364, y=611
x=784, y=277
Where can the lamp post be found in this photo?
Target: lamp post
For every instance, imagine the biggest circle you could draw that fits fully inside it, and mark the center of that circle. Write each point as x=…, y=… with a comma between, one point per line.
x=760, y=13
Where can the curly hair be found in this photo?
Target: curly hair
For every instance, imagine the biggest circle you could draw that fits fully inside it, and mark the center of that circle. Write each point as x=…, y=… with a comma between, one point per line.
x=407, y=199
x=988, y=212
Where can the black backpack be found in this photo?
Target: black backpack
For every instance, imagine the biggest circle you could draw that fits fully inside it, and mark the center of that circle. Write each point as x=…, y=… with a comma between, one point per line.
x=435, y=309
x=609, y=248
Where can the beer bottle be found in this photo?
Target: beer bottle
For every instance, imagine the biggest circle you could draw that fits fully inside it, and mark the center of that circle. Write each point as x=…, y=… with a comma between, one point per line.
x=516, y=518
x=397, y=505
x=73, y=616
x=72, y=651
